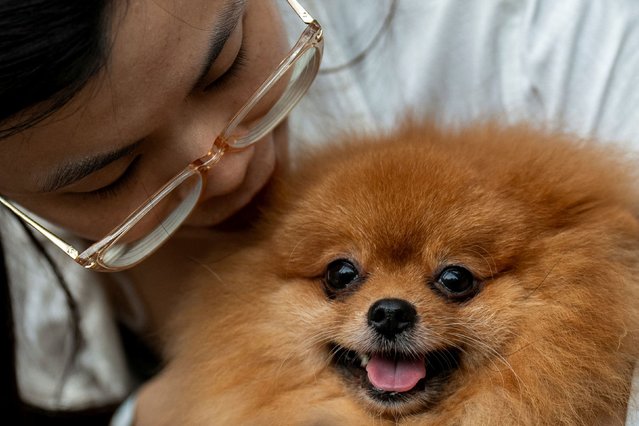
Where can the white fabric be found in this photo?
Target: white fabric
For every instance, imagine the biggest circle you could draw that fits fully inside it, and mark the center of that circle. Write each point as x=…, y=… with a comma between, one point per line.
x=570, y=63
x=44, y=338
x=633, y=404
x=125, y=414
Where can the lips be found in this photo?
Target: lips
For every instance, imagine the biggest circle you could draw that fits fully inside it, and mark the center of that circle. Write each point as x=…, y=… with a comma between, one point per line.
x=398, y=378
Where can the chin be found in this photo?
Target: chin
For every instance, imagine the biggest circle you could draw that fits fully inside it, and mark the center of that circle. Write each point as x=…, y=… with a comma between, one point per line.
x=486, y=275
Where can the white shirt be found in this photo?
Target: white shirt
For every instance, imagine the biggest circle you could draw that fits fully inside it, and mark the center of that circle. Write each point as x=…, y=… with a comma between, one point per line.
x=571, y=64
x=43, y=332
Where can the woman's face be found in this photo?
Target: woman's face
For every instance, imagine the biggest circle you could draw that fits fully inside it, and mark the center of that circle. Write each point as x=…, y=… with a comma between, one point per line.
x=156, y=106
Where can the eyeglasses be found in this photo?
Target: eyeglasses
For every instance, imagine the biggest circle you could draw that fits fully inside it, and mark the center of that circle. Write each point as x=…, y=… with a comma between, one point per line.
x=149, y=226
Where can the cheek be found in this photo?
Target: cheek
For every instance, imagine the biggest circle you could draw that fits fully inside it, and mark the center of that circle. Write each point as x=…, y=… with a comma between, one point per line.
x=90, y=224
x=280, y=136
x=264, y=32
x=266, y=45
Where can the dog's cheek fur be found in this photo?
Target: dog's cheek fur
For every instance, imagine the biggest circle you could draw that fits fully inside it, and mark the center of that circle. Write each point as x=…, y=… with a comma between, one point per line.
x=280, y=362
x=574, y=342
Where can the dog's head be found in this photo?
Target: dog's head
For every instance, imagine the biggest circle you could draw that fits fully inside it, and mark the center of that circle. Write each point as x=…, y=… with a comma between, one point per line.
x=430, y=265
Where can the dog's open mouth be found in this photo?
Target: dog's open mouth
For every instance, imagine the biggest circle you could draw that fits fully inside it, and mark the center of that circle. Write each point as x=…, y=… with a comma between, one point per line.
x=398, y=378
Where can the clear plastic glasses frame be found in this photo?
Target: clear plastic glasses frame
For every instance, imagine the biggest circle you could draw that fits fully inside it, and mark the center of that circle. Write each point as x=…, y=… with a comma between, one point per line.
x=178, y=197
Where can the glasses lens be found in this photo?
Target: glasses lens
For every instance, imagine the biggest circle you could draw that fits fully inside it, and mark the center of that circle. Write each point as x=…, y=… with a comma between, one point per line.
x=159, y=223
x=272, y=106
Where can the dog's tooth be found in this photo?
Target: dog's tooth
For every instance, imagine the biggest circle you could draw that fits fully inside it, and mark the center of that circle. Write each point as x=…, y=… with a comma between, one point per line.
x=364, y=360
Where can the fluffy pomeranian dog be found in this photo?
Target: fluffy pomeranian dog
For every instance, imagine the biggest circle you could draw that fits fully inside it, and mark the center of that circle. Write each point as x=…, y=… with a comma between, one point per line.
x=485, y=276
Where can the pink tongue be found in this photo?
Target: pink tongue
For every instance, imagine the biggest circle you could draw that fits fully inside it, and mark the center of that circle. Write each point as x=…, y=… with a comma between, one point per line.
x=395, y=376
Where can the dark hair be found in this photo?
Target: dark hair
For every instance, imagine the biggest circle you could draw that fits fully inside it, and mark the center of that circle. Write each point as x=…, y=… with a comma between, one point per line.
x=49, y=49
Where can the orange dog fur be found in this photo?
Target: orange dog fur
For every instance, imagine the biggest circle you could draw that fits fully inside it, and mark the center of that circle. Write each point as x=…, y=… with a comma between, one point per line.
x=536, y=325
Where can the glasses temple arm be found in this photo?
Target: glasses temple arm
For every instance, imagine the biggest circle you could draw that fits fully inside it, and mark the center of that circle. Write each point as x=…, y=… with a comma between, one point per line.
x=303, y=14
x=63, y=245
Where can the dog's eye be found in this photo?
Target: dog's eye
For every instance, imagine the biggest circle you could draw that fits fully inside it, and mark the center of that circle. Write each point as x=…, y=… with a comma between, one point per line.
x=340, y=274
x=456, y=281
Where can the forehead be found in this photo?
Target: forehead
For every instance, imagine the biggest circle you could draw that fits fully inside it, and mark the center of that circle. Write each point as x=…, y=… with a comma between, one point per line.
x=155, y=49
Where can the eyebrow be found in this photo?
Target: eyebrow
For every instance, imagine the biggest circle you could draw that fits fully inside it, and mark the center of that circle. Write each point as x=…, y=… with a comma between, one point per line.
x=71, y=172
x=230, y=16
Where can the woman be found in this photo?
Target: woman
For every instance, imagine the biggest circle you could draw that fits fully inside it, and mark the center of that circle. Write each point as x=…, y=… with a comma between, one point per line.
x=106, y=101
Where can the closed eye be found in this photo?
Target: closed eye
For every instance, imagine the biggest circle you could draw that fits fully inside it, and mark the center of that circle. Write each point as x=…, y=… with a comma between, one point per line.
x=238, y=65
x=116, y=187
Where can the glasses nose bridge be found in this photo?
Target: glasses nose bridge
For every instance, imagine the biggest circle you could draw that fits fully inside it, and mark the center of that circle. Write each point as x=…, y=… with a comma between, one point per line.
x=212, y=157
x=221, y=145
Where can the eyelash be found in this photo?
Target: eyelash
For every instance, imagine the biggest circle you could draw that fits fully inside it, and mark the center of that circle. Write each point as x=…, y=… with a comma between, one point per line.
x=236, y=67
x=115, y=188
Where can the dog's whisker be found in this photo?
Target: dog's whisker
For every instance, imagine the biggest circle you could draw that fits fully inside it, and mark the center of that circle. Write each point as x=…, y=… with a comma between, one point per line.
x=485, y=256
x=291, y=253
x=543, y=280
x=496, y=355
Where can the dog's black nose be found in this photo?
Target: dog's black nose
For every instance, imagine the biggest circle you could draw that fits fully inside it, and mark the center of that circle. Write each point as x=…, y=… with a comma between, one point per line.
x=390, y=317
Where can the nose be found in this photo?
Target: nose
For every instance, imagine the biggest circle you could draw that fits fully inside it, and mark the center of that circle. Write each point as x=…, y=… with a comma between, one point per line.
x=390, y=317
